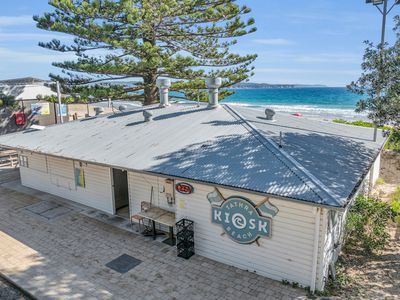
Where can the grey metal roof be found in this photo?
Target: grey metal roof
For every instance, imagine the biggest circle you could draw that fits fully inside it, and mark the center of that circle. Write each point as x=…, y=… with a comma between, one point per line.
x=217, y=146
x=338, y=155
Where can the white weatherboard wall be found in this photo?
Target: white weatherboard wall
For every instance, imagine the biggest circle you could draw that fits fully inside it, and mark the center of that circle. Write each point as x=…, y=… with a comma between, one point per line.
x=56, y=176
x=140, y=186
x=287, y=255
x=375, y=170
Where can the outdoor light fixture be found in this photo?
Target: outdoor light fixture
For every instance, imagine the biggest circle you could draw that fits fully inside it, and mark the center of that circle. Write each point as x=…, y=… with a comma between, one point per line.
x=375, y=2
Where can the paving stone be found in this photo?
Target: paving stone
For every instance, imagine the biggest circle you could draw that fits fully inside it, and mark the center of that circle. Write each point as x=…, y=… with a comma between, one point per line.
x=66, y=258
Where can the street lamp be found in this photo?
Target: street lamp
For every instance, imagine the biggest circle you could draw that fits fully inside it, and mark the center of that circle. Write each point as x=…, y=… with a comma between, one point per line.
x=384, y=11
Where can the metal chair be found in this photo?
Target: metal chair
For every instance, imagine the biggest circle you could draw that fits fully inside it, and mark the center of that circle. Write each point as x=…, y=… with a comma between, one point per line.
x=144, y=206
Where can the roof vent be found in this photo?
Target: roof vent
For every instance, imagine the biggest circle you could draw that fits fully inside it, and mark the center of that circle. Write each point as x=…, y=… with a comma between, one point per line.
x=122, y=108
x=163, y=85
x=269, y=114
x=212, y=85
x=98, y=110
x=148, y=116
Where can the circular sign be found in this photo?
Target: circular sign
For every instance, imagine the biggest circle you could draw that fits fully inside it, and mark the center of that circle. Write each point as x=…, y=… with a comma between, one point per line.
x=184, y=188
x=241, y=220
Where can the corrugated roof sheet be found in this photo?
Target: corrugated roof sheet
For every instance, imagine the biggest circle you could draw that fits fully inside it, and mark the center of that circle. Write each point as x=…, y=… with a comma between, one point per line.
x=210, y=145
x=338, y=155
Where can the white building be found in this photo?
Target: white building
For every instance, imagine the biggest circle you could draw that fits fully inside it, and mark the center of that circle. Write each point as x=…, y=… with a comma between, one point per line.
x=277, y=211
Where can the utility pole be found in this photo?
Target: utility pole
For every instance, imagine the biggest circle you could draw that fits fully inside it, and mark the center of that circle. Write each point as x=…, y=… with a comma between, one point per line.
x=59, y=102
x=385, y=11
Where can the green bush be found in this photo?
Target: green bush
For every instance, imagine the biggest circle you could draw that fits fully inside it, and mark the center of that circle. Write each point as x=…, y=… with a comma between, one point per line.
x=366, y=225
x=393, y=142
x=395, y=205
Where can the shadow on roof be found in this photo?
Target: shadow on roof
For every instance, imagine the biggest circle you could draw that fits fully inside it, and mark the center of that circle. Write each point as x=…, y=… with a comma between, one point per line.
x=131, y=112
x=238, y=161
x=180, y=113
x=336, y=162
x=224, y=123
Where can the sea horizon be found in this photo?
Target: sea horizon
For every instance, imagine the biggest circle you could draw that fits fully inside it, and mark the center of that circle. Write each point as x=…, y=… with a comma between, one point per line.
x=326, y=102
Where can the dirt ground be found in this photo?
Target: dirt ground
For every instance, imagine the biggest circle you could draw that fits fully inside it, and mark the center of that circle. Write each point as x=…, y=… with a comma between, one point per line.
x=376, y=277
x=373, y=277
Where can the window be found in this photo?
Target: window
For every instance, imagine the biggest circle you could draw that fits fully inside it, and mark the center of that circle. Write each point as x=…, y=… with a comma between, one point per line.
x=23, y=161
x=79, y=177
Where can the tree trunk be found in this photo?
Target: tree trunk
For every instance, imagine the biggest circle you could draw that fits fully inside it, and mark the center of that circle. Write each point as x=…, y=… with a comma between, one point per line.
x=150, y=88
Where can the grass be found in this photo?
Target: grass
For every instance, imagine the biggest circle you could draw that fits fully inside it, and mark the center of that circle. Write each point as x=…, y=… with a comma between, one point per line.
x=380, y=181
x=361, y=124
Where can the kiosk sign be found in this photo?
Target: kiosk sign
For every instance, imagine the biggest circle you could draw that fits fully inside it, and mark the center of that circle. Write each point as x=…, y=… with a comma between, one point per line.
x=241, y=220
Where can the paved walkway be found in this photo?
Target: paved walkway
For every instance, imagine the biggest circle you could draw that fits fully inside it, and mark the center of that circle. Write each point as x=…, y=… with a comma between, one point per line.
x=65, y=257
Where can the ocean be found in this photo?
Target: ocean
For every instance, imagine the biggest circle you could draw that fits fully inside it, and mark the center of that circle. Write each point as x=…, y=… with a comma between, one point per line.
x=314, y=102
x=326, y=102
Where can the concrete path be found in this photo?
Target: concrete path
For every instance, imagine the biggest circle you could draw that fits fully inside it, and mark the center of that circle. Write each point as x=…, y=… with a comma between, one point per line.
x=65, y=257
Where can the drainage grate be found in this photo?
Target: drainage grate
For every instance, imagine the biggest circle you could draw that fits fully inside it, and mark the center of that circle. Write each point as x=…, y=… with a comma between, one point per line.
x=123, y=263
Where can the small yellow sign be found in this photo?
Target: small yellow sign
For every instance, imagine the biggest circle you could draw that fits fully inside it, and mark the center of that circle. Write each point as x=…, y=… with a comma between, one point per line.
x=182, y=204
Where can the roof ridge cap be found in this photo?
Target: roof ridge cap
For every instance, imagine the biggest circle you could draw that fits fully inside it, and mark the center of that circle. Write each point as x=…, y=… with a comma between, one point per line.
x=310, y=180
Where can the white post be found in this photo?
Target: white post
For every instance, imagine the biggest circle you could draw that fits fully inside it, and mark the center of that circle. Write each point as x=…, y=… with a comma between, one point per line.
x=59, y=102
x=163, y=85
x=212, y=85
x=317, y=212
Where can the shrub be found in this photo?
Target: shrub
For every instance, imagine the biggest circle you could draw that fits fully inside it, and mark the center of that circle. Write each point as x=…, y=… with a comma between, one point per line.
x=366, y=225
x=393, y=142
x=395, y=205
x=380, y=181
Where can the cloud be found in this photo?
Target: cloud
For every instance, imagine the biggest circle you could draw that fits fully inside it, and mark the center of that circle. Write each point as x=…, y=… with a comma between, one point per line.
x=16, y=20
x=273, y=42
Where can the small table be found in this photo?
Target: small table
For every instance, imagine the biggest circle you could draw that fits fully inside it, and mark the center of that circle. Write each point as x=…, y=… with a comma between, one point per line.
x=161, y=216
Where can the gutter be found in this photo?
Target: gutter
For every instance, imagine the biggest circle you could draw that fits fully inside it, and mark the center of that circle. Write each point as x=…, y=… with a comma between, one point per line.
x=315, y=252
x=300, y=201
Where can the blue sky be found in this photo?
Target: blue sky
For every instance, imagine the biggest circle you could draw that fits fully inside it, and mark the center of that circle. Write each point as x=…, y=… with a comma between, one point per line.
x=298, y=41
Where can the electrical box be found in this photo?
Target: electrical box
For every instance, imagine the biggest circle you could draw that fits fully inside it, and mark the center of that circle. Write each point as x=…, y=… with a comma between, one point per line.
x=169, y=191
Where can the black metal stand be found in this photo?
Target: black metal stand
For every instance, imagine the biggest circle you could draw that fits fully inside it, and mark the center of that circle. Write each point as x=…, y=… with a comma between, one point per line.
x=170, y=240
x=185, y=238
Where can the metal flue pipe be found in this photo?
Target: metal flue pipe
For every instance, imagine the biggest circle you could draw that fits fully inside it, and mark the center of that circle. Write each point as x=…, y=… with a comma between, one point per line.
x=163, y=85
x=212, y=85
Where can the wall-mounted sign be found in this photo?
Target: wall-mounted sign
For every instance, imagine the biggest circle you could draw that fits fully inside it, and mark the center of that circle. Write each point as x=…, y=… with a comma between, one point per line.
x=184, y=188
x=40, y=109
x=62, y=110
x=240, y=218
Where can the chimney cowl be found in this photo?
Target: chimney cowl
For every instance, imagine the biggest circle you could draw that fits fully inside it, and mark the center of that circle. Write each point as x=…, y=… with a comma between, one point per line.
x=163, y=82
x=269, y=114
x=213, y=82
x=98, y=110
